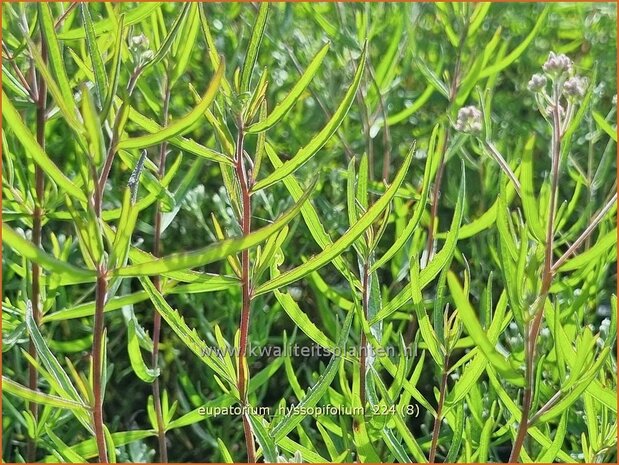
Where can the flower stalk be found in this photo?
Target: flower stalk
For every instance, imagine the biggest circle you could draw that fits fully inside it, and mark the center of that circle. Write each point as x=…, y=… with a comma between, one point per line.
x=157, y=250
x=37, y=227
x=243, y=376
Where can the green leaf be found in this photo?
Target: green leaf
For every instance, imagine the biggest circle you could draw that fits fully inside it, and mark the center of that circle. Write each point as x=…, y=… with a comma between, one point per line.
x=338, y=247
x=95, y=56
x=286, y=104
x=213, y=252
x=437, y=263
x=302, y=321
x=425, y=327
x=115, y=68
x=519, y=50
x=62, y=382
x=605, y=125
x=126, y=225
x=529, y=202
x=148, y=375
x=408, y=231
x=170, y=37
x=29, y=251
x=186, y=145
x=11, y=387
x=177, y=127
x=306, y=152
x=308, y=212
x=188, y=336
x=471, y=323
x=317, y=391
x=56, y=59
x=134, y=15
x=13, y=120
x=269, y=449
x=187, y=43
x=606, y=242
x=254, y=45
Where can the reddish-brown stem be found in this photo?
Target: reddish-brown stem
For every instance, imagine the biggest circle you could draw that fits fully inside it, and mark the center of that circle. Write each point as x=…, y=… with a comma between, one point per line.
x=244, y=183
x=101, y=288
x=97, y=357
x=436, y=192
x=436, y=430
x=534, y=327
x=111, y=150
x=37, y=222
x=60, y=20
x=163, y=448
x=453, y=93
x=18, y=73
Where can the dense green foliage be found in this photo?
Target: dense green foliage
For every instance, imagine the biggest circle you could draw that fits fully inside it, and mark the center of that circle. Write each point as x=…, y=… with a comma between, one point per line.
x=185, y=183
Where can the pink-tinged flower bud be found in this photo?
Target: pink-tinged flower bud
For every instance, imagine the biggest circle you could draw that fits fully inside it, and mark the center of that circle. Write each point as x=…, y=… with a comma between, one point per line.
x=469, y=120
x=575, y=87
x=537, y=83
x=556, y=65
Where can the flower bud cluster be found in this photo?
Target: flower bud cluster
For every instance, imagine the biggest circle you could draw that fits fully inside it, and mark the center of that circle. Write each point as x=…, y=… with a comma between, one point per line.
x=140, y=49
x=559, y=68
x=469, y=121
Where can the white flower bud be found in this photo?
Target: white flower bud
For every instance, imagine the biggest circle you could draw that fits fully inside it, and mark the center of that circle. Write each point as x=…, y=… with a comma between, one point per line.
x=138, y=42
x=557, y=65
x=469, y=120
x=575, y=87
x=537, y=83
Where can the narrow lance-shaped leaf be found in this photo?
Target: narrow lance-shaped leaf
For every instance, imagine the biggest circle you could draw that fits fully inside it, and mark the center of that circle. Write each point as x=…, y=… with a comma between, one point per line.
x=56, y=60
x=269, y=449
x=254, y=45
x=286, y=104
x=472, y=325
x=11, y=387
x=317, y=391
x=439, y=261
x=310, y=216
x=213, y=252
x=14, y=121
x=115, y=68
x=28, y=250
x=305, y=153
x=169, y=40
x=95, y=56
x=529, y=202
x=177, y=127
x=414, y=221
x=134, y=15
x=519, y=50
x=146, y=374
x=339, y=246
x=189, y=336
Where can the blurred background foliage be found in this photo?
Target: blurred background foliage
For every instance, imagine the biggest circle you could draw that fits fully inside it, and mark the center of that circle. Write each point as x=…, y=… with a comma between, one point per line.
x=412, y=49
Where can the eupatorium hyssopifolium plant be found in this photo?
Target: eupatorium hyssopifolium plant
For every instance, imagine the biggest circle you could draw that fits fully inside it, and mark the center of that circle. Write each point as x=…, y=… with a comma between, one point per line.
x=420, y=197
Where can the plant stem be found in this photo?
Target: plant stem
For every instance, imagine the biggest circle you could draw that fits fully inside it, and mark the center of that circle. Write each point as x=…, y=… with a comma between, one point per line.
x=365, y=284
x=503, y=165
x=97, y=345
x=241, y=174
x=163, y=448
x=439, y=412
x=37, y=222
x=453, y=93
x=533, y=328
x=101, y=287
x=586, y=233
